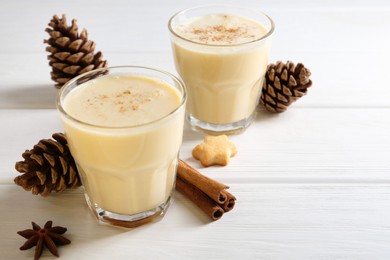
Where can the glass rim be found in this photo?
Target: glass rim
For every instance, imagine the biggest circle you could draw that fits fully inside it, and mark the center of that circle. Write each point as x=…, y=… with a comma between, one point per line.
x=267, y=35
x=178, y=81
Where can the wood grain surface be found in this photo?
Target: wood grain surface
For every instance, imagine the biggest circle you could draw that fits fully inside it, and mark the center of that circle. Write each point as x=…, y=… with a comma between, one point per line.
x=311, y=183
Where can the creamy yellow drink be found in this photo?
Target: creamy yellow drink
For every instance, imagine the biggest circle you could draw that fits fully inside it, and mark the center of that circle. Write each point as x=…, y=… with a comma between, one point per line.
x=124, y=132
x=222, y=59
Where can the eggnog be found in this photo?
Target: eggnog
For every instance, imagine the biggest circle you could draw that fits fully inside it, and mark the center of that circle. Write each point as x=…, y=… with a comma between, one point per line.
x=124, y=132
x=222, y=58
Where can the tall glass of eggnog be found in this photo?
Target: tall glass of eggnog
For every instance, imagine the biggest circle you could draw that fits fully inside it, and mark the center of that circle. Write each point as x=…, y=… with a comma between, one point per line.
x=124, y=127
x=221, y=53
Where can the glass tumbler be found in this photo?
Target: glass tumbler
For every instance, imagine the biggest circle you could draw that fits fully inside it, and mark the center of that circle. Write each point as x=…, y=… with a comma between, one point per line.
x=128, y=170
x=221, y=53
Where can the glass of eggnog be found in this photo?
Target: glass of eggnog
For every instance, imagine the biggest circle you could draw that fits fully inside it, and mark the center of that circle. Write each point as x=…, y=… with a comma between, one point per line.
x=124, y=127
x=221, y=53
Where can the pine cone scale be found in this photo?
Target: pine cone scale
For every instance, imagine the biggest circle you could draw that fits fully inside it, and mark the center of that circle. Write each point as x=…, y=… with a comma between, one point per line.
x=58, y=66
x=75, y=58
x=27, y=154
x=271, y=92
x=22, y=167
x=270, y=100
x=87, y=59
x=75, y=45
x=64, y=165
x=291, y=81
x=60, y=80
x=62, y=42
x=42, y=177
x=72, y=176
x=286, y=92
x=71, y=70
x=50, y=159
x=37, y=158
x=276, y=84
x=61, y=56
x=61, y=185
x=86, y=69
x=54, y=176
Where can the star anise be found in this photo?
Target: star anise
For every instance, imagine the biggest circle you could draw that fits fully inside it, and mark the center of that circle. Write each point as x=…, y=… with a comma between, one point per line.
x=48, y=236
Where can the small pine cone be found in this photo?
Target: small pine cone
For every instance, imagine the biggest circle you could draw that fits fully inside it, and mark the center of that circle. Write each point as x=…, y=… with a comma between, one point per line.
x=283, y=84
x=72, y=53
x=48, y=167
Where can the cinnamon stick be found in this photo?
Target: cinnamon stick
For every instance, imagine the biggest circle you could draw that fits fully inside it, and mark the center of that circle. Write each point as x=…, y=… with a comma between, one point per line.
x=230, y=201
x=204, y=202
x=210, y=187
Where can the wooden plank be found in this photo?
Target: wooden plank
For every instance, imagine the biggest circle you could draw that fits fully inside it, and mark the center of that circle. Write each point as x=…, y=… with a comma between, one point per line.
x=300, y=145
x=141, y=28
x=269, y=222
x=351, y=86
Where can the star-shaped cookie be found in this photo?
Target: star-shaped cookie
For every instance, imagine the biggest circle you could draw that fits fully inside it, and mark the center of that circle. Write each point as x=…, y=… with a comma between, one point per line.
x=215, y=150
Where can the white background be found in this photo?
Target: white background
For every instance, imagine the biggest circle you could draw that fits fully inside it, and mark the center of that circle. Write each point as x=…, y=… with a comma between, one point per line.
x=311, y=183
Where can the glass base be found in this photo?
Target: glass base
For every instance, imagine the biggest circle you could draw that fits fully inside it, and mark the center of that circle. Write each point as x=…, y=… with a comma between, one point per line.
x=128, y=221
x=219, y=129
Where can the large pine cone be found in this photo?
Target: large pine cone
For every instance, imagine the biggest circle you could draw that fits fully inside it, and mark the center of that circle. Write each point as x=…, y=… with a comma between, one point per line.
x=71, y=54
x=48, y=167
x=283, y=84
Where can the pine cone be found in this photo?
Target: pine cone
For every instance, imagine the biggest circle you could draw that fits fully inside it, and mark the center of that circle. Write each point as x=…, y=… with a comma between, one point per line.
x=283, y=84
x=47, y=167
x=72, y=54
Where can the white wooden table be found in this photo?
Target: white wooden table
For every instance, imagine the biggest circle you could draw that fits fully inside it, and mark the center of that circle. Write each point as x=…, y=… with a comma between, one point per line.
x=311, y=183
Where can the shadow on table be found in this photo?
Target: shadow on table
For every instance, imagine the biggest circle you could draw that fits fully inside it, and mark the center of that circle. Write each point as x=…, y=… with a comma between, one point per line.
x=191, y=135
x=70, y=209
x=191, y=215
x=263, y=115
x=28, y=97
x=67, y=209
